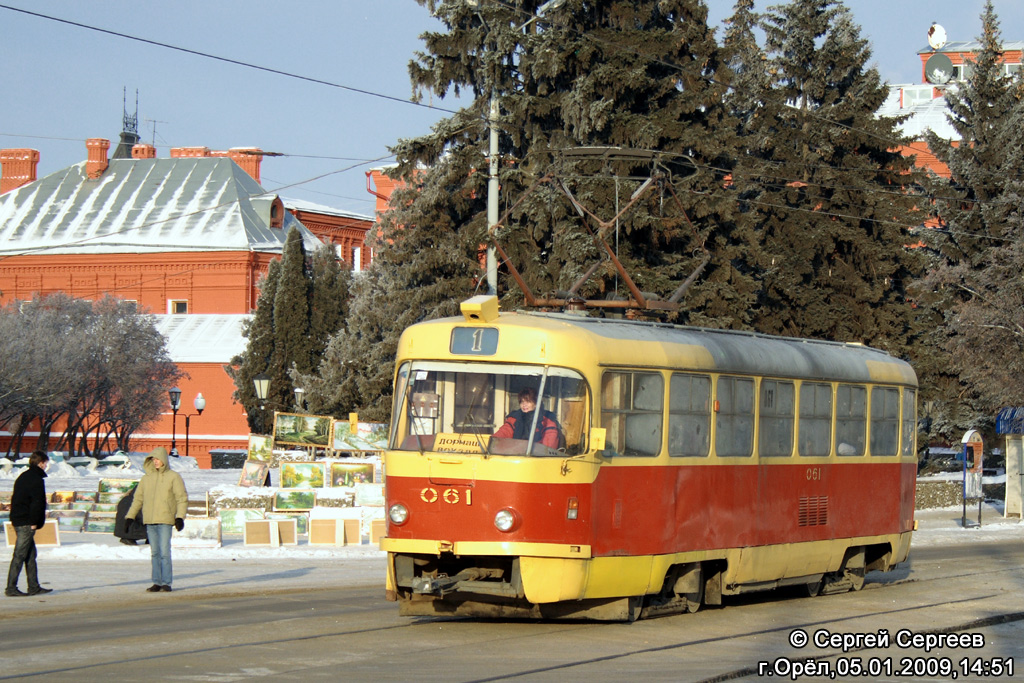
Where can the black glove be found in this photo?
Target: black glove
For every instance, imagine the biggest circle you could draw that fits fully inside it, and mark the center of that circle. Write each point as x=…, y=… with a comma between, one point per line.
x=179, y=523
x=128, y=521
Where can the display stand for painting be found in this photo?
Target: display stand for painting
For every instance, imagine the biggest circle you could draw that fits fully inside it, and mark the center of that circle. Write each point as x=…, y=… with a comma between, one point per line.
x=47, y=536
x=261, y=532
x=287, y=531
x=198, y=532
x=378, y=527
x=334, y=532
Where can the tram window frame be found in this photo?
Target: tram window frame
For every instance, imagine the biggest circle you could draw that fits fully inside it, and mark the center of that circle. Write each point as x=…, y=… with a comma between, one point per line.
x=689, y=415
x=851, y=419
x=908, y=427
x=734, y=416
x=885, y=421
x=776, y=418
x=814, y=424
x=628, y=407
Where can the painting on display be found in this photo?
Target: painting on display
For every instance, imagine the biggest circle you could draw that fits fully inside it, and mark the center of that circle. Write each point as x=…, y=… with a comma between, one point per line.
x=62, y=497
x=368, y=436
x=199, y=532
x=254, y=474
x=109, y=497
x=302, y=475
x=296, y=499
x=351, y=473
x=302, y=430
x=117, y=485
x=232, y=520
x=261, y=448
x=86, y=496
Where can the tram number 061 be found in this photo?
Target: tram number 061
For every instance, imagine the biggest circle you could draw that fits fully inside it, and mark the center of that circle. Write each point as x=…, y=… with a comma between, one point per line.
x=451, y=496
x=814, y=474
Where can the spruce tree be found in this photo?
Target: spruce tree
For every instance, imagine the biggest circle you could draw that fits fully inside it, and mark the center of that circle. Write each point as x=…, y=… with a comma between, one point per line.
x=975, y=280
x=255, y=360
x=832, y=207
x=637, y=75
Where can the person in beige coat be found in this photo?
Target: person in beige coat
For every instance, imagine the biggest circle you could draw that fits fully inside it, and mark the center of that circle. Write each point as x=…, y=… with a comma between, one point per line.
x=161, y=497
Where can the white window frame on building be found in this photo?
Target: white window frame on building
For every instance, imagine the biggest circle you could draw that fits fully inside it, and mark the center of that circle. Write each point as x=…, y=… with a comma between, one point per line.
x=177, y=306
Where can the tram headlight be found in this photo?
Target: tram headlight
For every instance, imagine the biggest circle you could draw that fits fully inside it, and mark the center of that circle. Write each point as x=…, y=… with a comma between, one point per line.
x=398, y=514
x=506, y=519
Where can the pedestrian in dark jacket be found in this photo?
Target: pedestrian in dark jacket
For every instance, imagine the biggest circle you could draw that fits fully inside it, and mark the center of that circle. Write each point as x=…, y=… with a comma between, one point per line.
x=28, y=513
x=161, y=497
x=130, y=531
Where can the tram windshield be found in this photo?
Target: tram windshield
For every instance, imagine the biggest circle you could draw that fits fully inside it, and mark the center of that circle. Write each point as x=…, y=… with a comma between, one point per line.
x=489, y=408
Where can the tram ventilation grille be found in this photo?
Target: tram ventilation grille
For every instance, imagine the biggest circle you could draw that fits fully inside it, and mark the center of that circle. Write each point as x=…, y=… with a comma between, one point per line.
x=813, y=511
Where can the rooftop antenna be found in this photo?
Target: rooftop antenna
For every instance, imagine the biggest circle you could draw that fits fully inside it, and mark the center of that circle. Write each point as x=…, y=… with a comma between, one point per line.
x=131, y=123
x=129, y=129
x=154, y=122
x=936, y=36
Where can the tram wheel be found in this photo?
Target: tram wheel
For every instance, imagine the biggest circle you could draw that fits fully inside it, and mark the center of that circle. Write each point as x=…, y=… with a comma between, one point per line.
x=814, y=588
x=696, y=599
x=856, y=578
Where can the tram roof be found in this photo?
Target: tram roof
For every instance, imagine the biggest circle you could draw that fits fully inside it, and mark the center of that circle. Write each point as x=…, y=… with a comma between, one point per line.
x=646, y=344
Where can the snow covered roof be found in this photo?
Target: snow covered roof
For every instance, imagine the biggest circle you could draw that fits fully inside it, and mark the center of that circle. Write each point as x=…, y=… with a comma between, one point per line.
x=312, y=207
x=202, y=338
x=971, y=46
x=929, y=114
x=144, y=206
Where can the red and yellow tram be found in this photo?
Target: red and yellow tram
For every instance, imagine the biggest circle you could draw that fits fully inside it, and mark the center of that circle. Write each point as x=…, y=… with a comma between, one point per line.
x=690, y=464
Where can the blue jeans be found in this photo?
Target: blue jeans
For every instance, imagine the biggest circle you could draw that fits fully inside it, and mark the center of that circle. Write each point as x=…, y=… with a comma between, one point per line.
x=159, y=536
x=24, y=555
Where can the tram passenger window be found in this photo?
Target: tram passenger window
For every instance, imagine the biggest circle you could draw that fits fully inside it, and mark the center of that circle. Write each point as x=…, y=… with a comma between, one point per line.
x=815, y=427
x=909, y=431
x=885, y=421
x=734, y=419
x=631, y=412
x=689, y=415
x=851, y=419
x=775, y=428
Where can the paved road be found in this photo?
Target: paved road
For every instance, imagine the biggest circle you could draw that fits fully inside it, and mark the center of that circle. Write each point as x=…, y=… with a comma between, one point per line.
x=348, y=632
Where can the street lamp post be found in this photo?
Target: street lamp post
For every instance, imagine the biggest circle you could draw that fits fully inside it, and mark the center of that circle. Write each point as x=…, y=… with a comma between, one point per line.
x=299, y=393
x=175, y=396
x=200, y=404
x=261, y=383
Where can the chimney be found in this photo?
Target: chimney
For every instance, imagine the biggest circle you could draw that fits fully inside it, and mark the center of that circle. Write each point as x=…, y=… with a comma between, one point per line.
x=143, y=151
x=17, y=168
x=97, y=161
x=249, y=158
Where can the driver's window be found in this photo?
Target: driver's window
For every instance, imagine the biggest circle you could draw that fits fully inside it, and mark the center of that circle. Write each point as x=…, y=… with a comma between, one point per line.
x=474, y=403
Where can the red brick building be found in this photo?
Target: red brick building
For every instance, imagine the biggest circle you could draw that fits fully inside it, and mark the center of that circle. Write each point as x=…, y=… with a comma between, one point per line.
x=186, y=238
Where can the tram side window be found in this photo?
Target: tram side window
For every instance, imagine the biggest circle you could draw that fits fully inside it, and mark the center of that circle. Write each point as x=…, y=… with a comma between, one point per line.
x=689, y=415
x=885, y=421
x=631, y=412
x=775, y=421
x=815, y=428
x=909, y=421
x=734, y=419
x=851, y=419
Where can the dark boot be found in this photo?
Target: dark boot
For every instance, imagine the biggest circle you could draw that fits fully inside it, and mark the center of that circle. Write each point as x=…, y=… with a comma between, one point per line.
x=129, y=541
x=14, y=593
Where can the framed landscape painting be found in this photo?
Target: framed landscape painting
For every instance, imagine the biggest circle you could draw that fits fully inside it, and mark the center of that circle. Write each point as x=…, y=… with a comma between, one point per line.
x=261, y=448
x=254, y=473
x=117, y=485
x=302, y=430
x=302, y=475
x=368, y=436
x=351, y=473
x=232, y=520
x=299, y=499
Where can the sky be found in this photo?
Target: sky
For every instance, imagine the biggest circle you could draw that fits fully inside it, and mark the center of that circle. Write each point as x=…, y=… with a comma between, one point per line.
x=343, y=102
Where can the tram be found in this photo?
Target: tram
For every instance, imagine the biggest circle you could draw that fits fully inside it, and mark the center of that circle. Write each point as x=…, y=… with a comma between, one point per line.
x=689, y=464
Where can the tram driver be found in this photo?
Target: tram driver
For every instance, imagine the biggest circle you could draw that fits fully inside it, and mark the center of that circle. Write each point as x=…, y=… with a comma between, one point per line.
x=517, y=424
